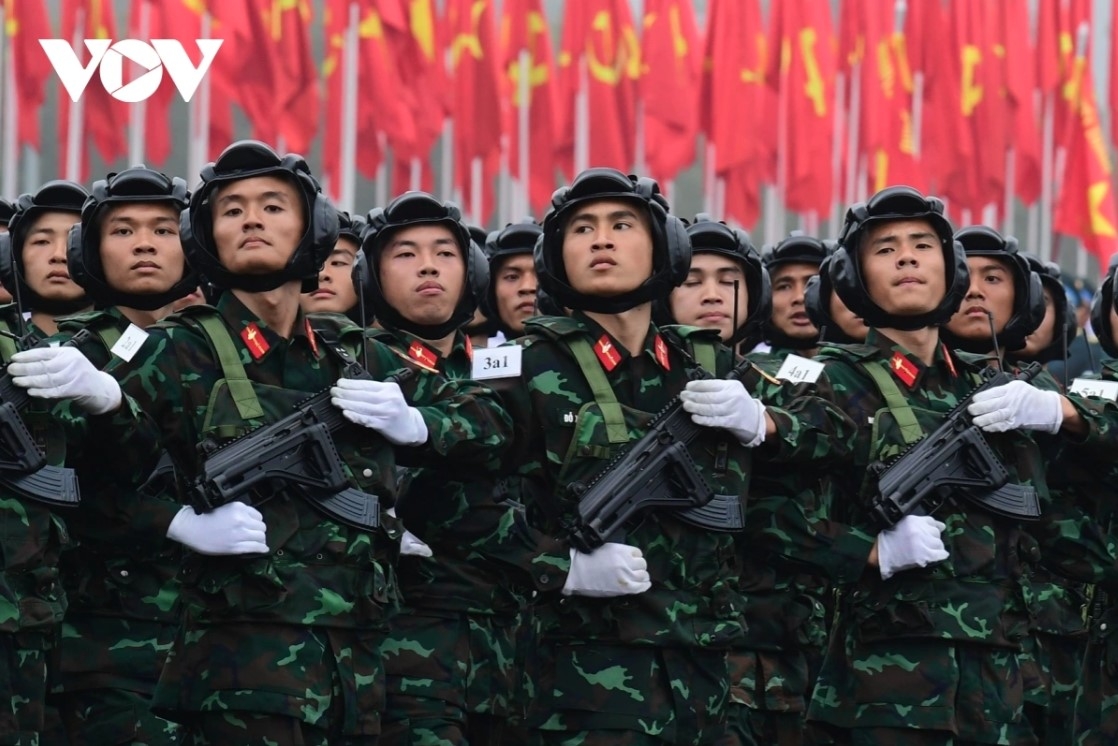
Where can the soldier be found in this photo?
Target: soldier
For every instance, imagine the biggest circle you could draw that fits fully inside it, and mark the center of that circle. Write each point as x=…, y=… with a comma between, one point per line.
x=926, y=643
x=837, y=324
x=511, y=297
x=7, y=209
x=1052, y=339
x=633, y=636
x=791, y=263
x=120, y=577
x=335, y=292
x=281, y=642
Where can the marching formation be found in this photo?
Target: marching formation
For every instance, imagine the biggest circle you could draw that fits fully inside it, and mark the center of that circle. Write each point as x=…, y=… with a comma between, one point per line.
x=271, y=473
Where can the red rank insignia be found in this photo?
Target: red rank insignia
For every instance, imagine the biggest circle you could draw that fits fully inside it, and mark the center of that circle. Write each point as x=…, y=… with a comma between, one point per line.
x=950, y=362
x=419, y=352
x=254, y=341
x=607, y=354
x=310, y=336
x=661, y=349
x=904, y=369
x=469, y=348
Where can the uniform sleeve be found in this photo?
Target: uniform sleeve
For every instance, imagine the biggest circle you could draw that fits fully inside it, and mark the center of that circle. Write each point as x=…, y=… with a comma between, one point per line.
x=811, y=429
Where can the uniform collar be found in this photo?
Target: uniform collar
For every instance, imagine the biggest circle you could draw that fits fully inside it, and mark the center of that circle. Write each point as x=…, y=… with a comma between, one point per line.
x=905, y=366
x=257, y=337
x=611, y=353
x=427, y=356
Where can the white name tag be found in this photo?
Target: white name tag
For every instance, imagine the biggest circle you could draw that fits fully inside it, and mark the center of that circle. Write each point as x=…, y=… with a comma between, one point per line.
x=1101, y=389
x=132, y=340
x=496, y=362
x=799, y=370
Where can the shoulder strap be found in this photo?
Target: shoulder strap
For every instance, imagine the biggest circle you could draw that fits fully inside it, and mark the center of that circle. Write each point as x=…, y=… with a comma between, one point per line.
x=7, y=344
x=244, y=397
x=706, y=355
x=895, y=401
x=614, y=418
x=109, y=334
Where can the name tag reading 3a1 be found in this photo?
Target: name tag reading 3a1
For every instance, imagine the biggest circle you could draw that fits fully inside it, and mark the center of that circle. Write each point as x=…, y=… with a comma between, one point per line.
x=496, y=362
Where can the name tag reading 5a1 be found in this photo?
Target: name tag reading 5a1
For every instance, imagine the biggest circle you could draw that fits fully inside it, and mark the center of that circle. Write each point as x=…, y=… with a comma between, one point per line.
x=496, y=362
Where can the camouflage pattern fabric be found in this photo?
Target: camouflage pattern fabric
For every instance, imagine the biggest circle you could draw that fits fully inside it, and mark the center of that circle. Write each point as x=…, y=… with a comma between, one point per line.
x=295, y=634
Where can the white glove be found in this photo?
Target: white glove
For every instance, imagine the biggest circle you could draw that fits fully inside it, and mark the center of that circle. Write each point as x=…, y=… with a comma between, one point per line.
x=411, y=544
x=65, y=373
x=717, y=402
x=1017, y=406
x=610, y=570
x=914, y=542
x=380, y=406
x=234, y=528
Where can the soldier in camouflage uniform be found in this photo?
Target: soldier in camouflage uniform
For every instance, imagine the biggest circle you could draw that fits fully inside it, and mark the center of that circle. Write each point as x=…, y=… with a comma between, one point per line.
x=926, y=643
x=120, y=575
x=837, y=324
x=335, y=292
x=510, y=299
x=284, y=604
x=633, y=636
x=449, y=656
x=7, y=209
x=32, y=601
x=790, y=264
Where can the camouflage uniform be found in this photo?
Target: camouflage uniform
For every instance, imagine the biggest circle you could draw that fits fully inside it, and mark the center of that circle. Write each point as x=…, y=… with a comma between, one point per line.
x=120, y=579
x=652, y=667
x=288, y=642
x=935, y=649
x=450, y=655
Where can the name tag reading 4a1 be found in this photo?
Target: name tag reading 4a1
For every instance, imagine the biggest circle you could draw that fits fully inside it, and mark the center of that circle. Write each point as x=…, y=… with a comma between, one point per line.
x=108, y=58
x=496, y=362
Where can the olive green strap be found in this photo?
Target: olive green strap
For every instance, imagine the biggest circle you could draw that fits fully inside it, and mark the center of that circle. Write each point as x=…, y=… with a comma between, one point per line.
x=109, y=335
x=894, y=399
x=7, y=345
x=248, y=406
x=706, y=356
x=616, y=430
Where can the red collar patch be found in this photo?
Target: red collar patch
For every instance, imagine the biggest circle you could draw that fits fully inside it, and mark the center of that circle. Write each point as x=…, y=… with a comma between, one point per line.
x=607, y=354
x=311, y=338
x=254, y=341
x=660, y=347
x=469, y=347
x=950, y=362
x=423, y=354
x=904, y=369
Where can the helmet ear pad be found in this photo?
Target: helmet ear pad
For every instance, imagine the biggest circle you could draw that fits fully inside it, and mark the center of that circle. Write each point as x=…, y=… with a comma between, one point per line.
x=1101, y=306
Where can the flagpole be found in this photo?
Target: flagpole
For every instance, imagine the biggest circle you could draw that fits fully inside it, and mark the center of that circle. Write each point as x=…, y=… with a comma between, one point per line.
x=639, y=165
x=382, y=170
x=507, y=198
x=416, y=175
x=476, y=178
x=11, y=112
x=347, y=190
x=446, y=160
x=1047, y=182
x=524, y=137
x=778, y=193
x=73, y=133
x=1010, y=178
x=852, y=159
x=582, y=118
x=710, y=176
x=836, y=153
x=137, y=111
x=205, y=100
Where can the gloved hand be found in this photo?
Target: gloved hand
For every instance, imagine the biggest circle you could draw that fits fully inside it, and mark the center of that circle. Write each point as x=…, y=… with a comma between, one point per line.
x=610, y=570
x=412, y=544
x=380, y=406
x=1017, y=405
x=717, y=402
x=65, y=373
x=233, y=528
x=914, y=542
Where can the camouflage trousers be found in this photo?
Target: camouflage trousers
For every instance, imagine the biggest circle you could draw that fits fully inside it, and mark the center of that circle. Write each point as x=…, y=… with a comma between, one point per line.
x=254, y=729
x=897, y=737
x=597, y=691
x=328, y=678
x=1096, y=700
x=450, y=678
x=114, y=716
x=23, y=685
x=1058, y=661
x=748, y=727
x=962, y=690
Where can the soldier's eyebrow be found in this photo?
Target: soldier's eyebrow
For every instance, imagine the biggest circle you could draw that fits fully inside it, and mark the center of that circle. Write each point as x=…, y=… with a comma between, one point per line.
x=614, y=215
x=270, y=194
x=131, y=220
x=993, y=267
x=893, y=236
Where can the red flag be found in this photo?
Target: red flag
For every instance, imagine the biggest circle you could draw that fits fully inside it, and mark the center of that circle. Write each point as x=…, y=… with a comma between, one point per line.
x=27, y=23
x=671, y=73
x=1086, y=206
x=243, y=69
x=1020, y=84
x=598, y=35
x=805, y=68
x=294, y=89
x=524, y=29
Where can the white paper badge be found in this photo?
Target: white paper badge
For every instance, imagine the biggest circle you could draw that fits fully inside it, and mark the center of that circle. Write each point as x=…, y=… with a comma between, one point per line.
x=1089, y=387
x=132, y=340
x=496, y=362
x=799, y=370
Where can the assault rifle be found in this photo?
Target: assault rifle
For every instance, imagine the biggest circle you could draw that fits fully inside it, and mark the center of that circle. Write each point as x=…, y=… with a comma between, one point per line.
x=955, y=460
x=655, y=472
x=296, y=452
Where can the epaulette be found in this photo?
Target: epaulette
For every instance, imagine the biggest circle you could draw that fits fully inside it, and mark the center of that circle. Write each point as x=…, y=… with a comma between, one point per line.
x=830, y=351
x=553, y=327
x=337, y=324
x=975, y=360
x=171, y=320
x=681, y=334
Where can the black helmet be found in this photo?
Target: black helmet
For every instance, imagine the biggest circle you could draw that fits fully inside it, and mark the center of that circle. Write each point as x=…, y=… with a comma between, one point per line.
x=710, y=236
x=889, y=205
x=546, y=305
x=83, y=251
x=671, y=249
x=797, y=248
x=7, y=210
x=817, y=302
x=1103, y=301
x=513, y=239
x=54, y=196
x=1065, y=327
x=1028, y=294
x=421, y=208
x=350, y=226
x=246, y=159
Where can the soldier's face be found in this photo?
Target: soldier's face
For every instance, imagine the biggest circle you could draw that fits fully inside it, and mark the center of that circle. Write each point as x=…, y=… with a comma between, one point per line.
x=335, y=291
x=607, y=248
x=514, y=287
x=423, y=273
x=44, y=257
x=257, y=224
x=903, y=267
x=140, y=248
x=991, y=292
x=706, y=297
x=789, y=312
x=1045, y=334
x=846, y=320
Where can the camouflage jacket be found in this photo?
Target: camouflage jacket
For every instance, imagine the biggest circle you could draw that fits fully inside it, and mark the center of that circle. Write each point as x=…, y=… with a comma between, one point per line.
x=320, y=572
x=562, y=436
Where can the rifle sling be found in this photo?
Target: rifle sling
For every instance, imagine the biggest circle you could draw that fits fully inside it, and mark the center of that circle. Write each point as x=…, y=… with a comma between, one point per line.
x=616, y=430
x=895, y=401
x=248, y=406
